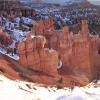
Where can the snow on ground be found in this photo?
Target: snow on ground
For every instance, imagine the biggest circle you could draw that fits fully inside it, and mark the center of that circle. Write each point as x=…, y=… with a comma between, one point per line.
x=15, y=56
x=19, y=90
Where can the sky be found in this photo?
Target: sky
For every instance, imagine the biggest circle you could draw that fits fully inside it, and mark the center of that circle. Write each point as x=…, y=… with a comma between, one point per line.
x=97, y=2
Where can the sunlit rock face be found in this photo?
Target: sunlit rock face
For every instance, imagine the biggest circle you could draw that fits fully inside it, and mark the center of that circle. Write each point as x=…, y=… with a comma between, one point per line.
x=77, y=52
x=34, y=56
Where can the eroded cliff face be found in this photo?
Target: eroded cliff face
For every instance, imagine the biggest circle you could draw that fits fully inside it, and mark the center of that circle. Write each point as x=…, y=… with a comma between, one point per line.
x=36, y=57
x=79, y=54
x=5, y=38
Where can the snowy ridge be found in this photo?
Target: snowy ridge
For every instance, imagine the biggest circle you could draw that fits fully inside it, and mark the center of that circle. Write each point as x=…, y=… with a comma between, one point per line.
x=70, y=2
x=15, y=56
x=67, y=2
x=18, y=90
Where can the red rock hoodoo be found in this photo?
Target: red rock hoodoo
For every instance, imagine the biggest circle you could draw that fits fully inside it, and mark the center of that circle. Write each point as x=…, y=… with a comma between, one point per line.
x=79, y=54
x=36, y=57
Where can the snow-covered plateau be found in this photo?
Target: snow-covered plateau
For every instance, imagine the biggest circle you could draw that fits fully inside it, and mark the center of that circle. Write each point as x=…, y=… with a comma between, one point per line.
x=19, y=90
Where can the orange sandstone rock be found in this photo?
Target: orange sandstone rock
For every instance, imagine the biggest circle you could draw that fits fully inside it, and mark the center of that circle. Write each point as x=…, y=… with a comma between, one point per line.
x=22, y=54
x=49, y=61
x=79, y=54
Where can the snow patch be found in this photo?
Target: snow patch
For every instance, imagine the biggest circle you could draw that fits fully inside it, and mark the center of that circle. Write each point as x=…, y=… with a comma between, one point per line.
x=19, y=90
x=15, y=56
